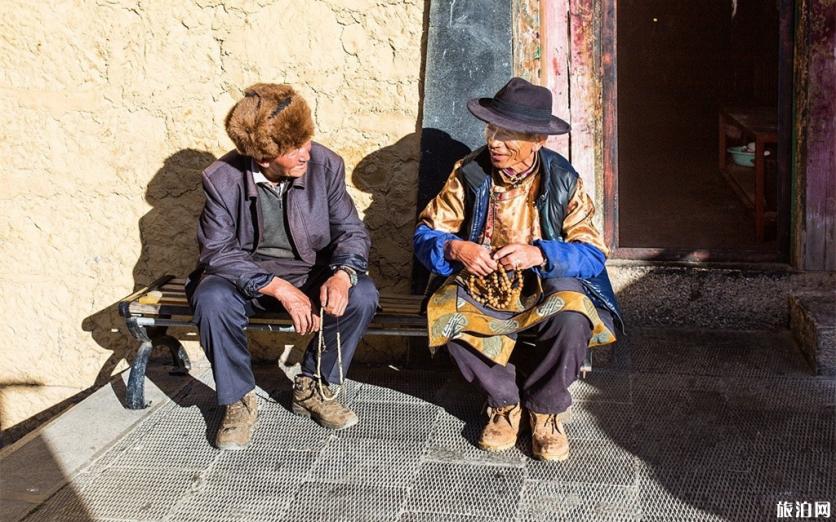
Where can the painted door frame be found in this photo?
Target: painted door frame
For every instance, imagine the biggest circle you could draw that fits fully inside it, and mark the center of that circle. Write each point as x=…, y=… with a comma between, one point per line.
x=609, y=143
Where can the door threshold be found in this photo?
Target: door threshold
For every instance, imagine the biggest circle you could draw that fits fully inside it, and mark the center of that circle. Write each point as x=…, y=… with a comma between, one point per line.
x=708, y=258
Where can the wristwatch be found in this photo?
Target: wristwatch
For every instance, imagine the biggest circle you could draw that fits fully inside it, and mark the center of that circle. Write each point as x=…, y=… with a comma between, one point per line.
x=352, y=274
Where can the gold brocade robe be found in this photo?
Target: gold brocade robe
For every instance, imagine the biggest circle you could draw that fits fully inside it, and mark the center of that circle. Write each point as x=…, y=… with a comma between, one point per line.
x=512, y=218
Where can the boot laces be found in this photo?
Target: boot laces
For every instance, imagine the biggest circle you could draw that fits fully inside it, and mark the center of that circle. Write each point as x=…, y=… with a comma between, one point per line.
x=236, y=410
x=552, y=422
x=502, y=412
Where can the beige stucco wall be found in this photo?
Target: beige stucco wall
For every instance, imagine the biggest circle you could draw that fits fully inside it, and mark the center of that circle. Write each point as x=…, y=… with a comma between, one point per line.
x=108, y=112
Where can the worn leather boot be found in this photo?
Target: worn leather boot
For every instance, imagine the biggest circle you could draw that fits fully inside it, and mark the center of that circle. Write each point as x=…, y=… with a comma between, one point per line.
x=307, y=402
x=548, y=436
x=503, y=426
x=236, y=431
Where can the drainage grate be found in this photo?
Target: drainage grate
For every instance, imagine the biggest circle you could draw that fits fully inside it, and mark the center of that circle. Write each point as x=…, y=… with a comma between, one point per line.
x=368, y=461
x=463, y=489
x=329, y=502
x=556, y=501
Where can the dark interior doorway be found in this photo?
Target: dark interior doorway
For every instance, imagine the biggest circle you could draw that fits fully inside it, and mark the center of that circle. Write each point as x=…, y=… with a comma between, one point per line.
x=679, y=64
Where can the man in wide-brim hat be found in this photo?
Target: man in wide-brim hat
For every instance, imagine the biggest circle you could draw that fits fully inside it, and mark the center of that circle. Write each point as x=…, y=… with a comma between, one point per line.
x=513, y=207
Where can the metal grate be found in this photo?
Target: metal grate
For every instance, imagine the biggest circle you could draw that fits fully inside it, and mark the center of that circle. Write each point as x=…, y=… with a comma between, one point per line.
x=368, y=461
x=724, y=353
x=602, y=385
x=392, y=421
x=591, y=462
x=455, y=435
x=463, y=489
x=561, y=501
x=332, y=502
x=246, y=485
x=673, y=446
x=390, y=385
x=151, y=494
x=615, y=357
x=593, y=420
x=447, y=517
x=695, y=494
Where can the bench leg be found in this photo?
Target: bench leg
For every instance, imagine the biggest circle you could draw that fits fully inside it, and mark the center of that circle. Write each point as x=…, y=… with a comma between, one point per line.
x=179, y=357
x=135, y=394
x=149, y=337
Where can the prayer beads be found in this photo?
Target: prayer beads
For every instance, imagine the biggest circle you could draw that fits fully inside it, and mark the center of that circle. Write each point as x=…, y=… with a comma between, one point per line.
x=497, y=291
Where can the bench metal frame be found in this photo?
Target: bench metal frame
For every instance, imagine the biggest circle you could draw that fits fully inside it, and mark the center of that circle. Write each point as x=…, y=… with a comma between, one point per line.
x=399, y=315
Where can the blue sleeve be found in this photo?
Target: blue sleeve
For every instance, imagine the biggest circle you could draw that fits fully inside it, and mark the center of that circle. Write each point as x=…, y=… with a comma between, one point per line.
x=570, y=259
x=428, y=245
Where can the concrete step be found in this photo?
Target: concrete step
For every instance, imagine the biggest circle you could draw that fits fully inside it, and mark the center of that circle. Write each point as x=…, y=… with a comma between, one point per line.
x=747, y=297
x=813, y=322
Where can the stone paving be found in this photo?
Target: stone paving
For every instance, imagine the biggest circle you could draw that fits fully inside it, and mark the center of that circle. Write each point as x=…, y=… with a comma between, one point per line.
x=671, y=425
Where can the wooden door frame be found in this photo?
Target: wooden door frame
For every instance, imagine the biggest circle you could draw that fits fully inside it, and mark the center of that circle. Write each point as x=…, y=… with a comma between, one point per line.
x=609, y=75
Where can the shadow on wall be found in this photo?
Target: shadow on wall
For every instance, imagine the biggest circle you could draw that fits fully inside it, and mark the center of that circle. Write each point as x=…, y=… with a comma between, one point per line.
x=167, y=233
x=389, y=175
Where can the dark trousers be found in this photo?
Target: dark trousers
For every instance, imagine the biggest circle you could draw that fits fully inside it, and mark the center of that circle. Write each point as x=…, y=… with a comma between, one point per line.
x=222, y=312
x=538, y=375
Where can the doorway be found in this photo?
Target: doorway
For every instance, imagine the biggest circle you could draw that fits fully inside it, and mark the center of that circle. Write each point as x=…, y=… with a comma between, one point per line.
x=680, y=192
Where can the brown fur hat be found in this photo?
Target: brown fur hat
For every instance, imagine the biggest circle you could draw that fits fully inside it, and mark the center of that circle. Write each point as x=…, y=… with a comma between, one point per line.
x=270, y=120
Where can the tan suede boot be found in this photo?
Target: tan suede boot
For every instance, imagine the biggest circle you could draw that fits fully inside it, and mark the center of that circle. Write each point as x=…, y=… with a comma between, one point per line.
x=236, y=431
x=503, y=426
x=307, y=402
x=548, y=436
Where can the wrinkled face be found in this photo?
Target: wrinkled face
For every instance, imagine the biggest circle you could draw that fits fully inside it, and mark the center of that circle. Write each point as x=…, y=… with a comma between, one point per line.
x=291, y=164
x=510, y=149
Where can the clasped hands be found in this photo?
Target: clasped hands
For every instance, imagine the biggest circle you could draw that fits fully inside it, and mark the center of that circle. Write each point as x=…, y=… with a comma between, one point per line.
x=480, y=261
x=333, y=297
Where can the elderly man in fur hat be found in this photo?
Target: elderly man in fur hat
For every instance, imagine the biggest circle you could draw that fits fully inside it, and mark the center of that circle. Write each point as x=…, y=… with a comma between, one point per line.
x=279, y=232
x=512, y=232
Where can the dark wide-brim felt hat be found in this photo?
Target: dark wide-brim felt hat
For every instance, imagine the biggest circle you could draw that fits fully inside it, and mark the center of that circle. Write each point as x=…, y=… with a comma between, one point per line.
x=520, y=106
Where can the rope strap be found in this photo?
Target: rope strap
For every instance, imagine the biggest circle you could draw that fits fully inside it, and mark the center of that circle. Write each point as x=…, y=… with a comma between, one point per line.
x=320, y=347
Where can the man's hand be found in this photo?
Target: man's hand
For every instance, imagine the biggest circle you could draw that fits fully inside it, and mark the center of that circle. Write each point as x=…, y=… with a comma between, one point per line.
x=475, y=258
x=297, y=304
x=333, y=295
x=517, y=255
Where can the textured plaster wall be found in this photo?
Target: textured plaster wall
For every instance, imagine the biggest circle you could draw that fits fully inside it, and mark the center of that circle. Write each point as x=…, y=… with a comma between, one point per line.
x=108, y=112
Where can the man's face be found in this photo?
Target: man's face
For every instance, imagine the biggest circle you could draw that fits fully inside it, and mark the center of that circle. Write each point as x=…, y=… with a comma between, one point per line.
x=510, y=149
x=292, y=164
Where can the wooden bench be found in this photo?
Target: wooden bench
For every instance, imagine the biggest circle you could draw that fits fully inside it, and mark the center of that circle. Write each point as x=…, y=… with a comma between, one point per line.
x=150, y=311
